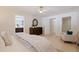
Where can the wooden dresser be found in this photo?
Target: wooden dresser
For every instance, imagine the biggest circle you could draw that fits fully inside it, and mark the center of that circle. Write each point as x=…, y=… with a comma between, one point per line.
x=35, y=30
x=19, y=30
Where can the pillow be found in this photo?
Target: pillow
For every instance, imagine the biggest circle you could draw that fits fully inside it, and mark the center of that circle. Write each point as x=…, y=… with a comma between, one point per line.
x=2, y=44
x=7, y=38
x=69, y=32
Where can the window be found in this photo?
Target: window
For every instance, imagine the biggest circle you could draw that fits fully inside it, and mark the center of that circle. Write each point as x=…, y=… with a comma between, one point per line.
x=19, y=21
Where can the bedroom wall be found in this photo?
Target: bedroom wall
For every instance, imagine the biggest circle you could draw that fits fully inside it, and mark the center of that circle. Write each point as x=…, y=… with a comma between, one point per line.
x=7, y=19
x=74, y=19
x=28, y=22
x=58, y=22
x=45, y=22
x=77, y=21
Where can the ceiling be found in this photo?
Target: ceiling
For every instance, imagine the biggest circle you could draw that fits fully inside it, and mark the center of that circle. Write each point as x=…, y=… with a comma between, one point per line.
x=50, y=10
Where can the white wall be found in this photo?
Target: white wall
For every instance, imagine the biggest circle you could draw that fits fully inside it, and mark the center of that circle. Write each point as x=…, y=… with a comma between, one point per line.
x=39, y=20
x=45, y=22
x=58, y=23
x=7, y=19
x=77, y=25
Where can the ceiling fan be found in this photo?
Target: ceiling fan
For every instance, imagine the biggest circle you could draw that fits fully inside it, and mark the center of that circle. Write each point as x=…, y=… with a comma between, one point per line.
x=41, y=9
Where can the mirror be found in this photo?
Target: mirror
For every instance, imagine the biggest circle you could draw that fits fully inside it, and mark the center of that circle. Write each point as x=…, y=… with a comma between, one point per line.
x=34, y=22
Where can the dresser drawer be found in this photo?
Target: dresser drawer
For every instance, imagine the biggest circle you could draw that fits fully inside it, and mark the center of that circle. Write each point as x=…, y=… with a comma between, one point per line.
x=36, y=30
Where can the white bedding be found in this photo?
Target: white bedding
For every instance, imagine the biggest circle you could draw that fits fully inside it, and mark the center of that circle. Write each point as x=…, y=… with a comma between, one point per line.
x=16, y=46
x=41, y=44
x=22, y=42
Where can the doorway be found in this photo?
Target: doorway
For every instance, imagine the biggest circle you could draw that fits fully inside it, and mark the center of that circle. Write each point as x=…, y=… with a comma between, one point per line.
x=52, y=26
x=66, y=24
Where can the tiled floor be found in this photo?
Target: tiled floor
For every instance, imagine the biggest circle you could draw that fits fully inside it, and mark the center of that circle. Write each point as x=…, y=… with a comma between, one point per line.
x=60, y=45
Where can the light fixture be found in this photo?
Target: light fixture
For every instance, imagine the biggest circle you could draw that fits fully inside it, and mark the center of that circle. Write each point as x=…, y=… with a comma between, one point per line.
x=41, y=10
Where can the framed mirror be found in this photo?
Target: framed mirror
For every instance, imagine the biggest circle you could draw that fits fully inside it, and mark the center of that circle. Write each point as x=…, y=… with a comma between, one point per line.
x=34, y=22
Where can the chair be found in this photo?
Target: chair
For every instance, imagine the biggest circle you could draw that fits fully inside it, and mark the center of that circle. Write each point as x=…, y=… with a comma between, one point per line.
x=69, y=38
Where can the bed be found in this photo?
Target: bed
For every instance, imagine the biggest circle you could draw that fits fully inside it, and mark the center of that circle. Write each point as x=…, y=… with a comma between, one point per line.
x=22, y=42
x=41, y=44
x=16, y=46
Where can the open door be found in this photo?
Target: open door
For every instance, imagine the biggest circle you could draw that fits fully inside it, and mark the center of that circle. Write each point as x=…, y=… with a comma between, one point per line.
x=52, y=25
x=66, y=24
